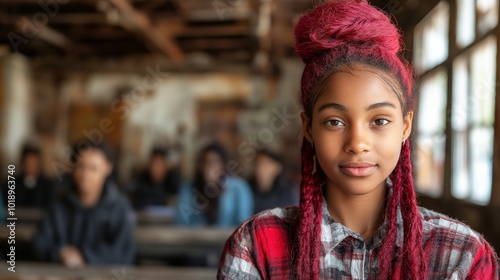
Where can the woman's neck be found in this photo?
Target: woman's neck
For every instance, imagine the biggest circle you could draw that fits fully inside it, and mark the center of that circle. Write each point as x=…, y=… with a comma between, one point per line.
x=362, y=214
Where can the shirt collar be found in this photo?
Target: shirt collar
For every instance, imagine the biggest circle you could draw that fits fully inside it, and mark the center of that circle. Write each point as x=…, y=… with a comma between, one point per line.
x=333, y=233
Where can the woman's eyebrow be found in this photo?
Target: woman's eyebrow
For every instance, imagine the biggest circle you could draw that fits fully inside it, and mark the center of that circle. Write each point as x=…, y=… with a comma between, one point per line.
x=381, y=105
x=343, y=108
x=335, y=106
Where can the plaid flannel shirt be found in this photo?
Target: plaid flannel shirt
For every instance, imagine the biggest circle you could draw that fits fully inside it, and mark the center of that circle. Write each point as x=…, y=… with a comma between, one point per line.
x=261, y=248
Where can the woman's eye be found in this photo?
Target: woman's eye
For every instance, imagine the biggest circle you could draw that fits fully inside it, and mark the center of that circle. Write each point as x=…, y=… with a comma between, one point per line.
x=334, y=123
x=380, y=122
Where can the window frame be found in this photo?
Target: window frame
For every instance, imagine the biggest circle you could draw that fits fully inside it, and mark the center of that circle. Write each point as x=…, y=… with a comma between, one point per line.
x=456, y=51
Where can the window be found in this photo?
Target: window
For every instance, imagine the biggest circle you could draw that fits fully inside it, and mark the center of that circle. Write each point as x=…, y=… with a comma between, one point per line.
x=431, y=121
x=431, y=38
x=469, y=125
x=472, y=120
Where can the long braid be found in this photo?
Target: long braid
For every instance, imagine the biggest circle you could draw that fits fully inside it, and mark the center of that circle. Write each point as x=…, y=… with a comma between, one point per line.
x=310, y=220
x=413, y=254
x=388, y=247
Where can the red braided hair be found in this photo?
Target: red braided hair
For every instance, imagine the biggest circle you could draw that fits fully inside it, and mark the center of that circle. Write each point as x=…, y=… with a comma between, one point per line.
x=337, y=34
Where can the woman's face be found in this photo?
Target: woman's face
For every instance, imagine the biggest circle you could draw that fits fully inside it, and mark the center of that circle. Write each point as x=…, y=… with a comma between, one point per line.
x=357, y=128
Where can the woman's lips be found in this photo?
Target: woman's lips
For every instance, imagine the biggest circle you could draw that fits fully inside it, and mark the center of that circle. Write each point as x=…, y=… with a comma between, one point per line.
x=358, y=169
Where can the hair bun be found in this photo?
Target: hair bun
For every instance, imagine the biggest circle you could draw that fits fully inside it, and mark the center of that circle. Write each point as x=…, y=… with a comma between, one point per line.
x=340, y=23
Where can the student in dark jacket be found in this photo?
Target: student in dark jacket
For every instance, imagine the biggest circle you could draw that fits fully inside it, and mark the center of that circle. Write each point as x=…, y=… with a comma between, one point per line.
x=270, y=187
x=90, y=224
x=159, y=184
x=33, y=189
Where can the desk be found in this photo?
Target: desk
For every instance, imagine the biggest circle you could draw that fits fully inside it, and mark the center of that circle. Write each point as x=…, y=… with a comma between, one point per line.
x=28, y=215
x=162, y=241
x=155, y=240
x=45, y=271
x=144, y=217
x=24, y=232
x=148, y=217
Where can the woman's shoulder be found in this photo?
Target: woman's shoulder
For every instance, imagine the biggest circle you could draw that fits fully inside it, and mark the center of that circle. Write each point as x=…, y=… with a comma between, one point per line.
x=266, y=238
x=280, y=221
x=457, y=249
x=435, y=222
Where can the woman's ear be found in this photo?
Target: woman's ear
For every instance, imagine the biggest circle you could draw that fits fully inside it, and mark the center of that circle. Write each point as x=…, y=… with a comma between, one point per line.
x=306, y=126
x=407, y=125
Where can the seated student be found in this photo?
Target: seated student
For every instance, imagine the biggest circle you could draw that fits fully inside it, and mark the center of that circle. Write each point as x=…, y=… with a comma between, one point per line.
x=214, y=197
x=90, y=224
x=269, y=185
x=159, y=185
x=32, y=188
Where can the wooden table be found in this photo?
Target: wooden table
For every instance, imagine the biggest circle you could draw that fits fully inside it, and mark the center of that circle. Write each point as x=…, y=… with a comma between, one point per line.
x=28, y=215
x=144, y=217
x=24, y=232
x=155, y=240
x=46, y=271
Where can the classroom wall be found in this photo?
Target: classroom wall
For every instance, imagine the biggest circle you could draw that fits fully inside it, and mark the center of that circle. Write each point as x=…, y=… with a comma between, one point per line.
x=71, y=106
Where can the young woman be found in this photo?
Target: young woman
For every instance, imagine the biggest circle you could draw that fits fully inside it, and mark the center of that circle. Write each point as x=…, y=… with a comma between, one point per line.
x=214, y=197
x=358, y=217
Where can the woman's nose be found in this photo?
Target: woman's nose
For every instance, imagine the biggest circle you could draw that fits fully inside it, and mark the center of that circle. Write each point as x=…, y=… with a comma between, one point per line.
x=357, y=140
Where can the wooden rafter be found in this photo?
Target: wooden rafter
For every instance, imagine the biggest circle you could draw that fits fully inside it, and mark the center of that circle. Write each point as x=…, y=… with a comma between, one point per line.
x=45, y=33
x=143, y=23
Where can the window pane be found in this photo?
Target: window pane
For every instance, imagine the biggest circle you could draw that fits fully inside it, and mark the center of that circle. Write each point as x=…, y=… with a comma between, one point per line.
x=459, y=116
x=481, y=147
x=460, y=174
x=487, y=15
x=465, y=22
x=431, y=138
x=429, y=164
x=482, y=100
x=432, y=104
x=431, y=38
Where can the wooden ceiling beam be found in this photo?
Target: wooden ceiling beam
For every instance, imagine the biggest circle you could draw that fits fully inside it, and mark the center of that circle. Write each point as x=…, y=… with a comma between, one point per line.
x=209, y=31
x=45, y=33
x=215, y=44
x=66, y=18
x=143, y=23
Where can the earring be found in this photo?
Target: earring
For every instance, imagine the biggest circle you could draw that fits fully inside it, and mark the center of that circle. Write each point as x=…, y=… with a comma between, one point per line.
x=314, y=165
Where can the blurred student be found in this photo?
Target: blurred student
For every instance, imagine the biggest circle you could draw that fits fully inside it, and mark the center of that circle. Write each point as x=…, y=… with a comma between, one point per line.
x=90, y=224
x=33, y=189
x=214, y=197
x=269, y=185
x=159, y=184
